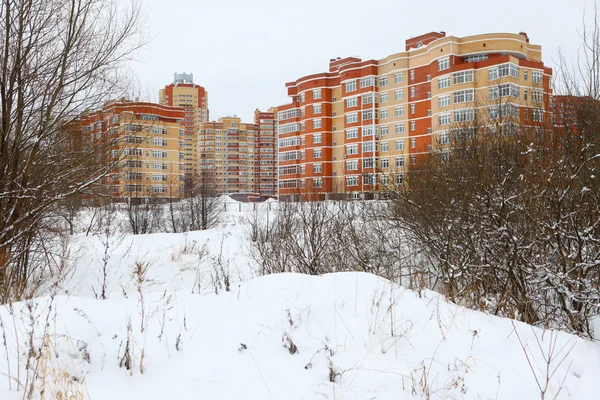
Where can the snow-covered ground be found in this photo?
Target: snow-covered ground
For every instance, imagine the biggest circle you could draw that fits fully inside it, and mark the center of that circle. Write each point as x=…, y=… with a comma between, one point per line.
x=288, y=336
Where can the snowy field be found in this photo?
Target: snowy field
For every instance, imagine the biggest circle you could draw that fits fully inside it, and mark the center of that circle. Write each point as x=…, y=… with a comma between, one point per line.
x=203, y=325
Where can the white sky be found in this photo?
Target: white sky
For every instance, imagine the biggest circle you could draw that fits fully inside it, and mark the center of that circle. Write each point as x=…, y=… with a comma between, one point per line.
x=244, y=51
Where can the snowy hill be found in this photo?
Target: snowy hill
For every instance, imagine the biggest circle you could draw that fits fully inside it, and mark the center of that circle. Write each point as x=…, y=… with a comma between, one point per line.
x=179, y=333
x=374, y=339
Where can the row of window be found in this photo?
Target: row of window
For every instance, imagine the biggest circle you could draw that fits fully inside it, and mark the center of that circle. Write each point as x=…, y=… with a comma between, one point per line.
x=500, y=71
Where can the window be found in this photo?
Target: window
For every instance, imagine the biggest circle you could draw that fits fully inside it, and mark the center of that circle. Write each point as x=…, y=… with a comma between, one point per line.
x=502, y=71
x=400, y=128
x=384, y=130
x=367, y=98
x=413, y=143
x=351, y=102
x=317, y=153
x=399, y=111
x=464, y=96
x=288, y=142
x=399, y=179
x=351, y=133
x=352, y=165
x=399, y=94
x=537, y=95
x=444, y=101
x=444, y=137
x=385, y=163
x=159, y=154
x=538, y=115
x=159, y=130
x=351, y=118
x=317, y=168
x=159, y=189
x=352, y=149
x=316, y=94
x=288, y=128
x=383, y=98
x=504, y=110
x=317, y=137
x=445, y=119
x=352, y=180
x=317, y=108
x=536, y=77
x=159, y=177
x=412, y=91
x=504, y=90
x=476, y=58
x=368, y=179
x=159, y=142
x=289, y=155
x=398, y=77
x=367, y=114
x=443, y=64
x=368, y=130
x=317, y=183
x=383, y=81
x=525, y=75
x=462, y=77
x=412, y=74
x=525, y=95
x=443, y=83
x=413, y=125
x=130, y=152
x=412, y=108
x=302, y=98
x=384, y=179
x=466, y=114
x=367, y=146
x=399, y=145
x=367, y=81
x=316, y=123
x=384, y=146
x=138, y=140
x=399, y=162
x=383, y=114
x=350, y=86
x=289, y=169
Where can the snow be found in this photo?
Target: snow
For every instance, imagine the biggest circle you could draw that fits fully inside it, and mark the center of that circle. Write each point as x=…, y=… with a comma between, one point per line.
x=377, y=340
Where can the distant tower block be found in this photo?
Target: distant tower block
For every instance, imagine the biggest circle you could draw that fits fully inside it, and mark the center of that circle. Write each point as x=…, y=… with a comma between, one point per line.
x=183, y=92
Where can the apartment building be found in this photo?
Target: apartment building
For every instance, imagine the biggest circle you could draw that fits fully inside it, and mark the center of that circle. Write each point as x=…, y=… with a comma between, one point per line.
x=239, y=156
x=141, y=140
x=183, y=92
x=355, y=129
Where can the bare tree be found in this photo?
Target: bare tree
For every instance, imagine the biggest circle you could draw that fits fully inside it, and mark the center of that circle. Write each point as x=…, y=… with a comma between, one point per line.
x=508, y=213
x=201, y=208
x=59, y=58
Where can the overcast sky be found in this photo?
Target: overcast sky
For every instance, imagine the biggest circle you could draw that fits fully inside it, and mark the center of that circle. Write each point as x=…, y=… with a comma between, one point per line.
x=244, y=51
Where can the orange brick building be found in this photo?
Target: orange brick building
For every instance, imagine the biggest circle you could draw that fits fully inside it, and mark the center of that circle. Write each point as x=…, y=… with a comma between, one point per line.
x=241, y=157
x=141, y=141
x=353, y=130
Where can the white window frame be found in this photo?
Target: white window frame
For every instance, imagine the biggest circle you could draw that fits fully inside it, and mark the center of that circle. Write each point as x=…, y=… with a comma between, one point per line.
x=444, y=64
x=443, y=82
x=444, y=101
